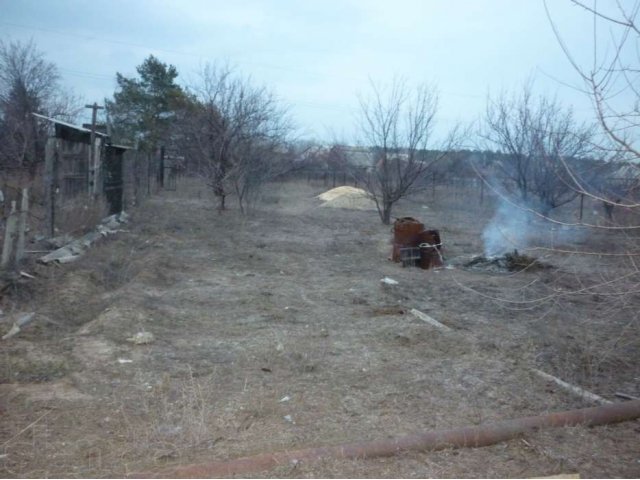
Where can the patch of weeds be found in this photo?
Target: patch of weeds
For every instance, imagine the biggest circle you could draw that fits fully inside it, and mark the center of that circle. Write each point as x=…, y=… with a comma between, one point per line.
x=22, y=370
x=176, y=419
x=78, y=216
x=305, y=362
x=114, y=267
x=116, y=272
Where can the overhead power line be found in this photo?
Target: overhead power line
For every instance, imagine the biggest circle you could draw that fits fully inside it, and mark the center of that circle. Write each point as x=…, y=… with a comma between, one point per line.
x=95, y=38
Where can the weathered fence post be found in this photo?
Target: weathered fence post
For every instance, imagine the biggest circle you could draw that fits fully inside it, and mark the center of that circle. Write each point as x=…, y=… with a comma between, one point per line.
x=50, y=158
x=581, y=204
x=22, y=224
x=9, y=237
x=96, y=165
x=161, y=172
x=148, y=174
x=137, y=180
x=94, y=153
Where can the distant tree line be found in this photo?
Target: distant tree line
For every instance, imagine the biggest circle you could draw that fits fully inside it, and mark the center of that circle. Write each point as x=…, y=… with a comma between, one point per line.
x=238, y=135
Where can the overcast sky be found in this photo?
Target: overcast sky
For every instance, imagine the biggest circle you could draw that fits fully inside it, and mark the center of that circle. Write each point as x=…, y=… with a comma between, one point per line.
x=316, y=55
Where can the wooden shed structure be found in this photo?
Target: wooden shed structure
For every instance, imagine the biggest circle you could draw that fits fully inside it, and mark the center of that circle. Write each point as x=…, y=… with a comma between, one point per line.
x=77, y=169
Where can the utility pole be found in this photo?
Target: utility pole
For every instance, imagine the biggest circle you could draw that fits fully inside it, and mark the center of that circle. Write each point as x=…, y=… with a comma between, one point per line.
x=92, y=148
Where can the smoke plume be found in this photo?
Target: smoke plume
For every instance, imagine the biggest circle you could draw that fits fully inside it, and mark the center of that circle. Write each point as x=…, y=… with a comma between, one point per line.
x=509, y=229
x=516, y=228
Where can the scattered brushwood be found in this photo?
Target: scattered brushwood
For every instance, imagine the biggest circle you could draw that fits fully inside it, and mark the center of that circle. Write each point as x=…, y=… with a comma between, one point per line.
x=519, y=261
x=509, y=262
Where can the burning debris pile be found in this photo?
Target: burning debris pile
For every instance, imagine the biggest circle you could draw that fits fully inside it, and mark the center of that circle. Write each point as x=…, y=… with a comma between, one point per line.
x=509, y=262
x=415, y=246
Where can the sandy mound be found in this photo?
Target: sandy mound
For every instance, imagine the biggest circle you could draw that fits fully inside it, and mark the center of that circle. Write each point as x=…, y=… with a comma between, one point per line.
x=340, y=191
x=347, y=197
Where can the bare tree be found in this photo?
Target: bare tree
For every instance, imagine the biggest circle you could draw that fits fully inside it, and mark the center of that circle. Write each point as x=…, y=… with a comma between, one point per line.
x=613, y=74
x=612, y=80
x=240, y=133
x=543, y=144
x=397, y=124
x=28, y=84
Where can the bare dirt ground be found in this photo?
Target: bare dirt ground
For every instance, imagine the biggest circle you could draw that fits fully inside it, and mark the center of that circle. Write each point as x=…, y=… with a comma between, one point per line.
x=273, y=331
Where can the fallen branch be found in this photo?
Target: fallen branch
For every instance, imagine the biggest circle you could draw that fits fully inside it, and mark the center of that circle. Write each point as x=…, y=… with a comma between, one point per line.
x=584, y=394
x=432, y=321
x=625, y=396
x=466, y=437
x=18, y=324
x=26, y=428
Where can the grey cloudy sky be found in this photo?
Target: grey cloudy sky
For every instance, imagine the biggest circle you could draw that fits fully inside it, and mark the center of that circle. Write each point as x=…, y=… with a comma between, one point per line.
x=317, y=55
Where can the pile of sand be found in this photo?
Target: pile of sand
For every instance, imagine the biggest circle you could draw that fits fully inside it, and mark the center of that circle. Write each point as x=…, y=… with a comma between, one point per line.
x=347, y=197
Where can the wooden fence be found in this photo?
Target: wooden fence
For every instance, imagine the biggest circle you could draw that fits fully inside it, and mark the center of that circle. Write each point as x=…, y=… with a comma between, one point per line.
x=74, y=188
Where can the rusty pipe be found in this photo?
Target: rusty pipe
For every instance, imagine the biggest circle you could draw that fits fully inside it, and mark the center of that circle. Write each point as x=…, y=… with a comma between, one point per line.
x=465, y=437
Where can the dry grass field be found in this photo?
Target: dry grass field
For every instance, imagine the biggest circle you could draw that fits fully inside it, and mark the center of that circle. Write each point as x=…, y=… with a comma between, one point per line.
x=272, y=331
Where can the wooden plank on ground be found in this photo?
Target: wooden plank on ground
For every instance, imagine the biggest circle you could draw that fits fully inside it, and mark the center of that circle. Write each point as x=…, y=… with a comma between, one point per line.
x=580, y=392
x=431, y=321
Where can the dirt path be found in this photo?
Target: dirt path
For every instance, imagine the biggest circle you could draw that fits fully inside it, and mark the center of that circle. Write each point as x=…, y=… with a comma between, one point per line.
x=271, y=332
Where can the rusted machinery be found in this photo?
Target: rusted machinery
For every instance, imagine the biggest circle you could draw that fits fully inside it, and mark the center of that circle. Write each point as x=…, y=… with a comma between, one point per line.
x=415, y=246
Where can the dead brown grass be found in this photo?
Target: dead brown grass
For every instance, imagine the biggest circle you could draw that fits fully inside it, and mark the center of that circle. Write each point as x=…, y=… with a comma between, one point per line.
x=80, y=215
x=272, y=331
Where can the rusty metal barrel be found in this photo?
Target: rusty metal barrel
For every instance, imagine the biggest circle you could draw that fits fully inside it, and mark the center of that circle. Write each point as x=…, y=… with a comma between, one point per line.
x=430, y=249
x=406, y=233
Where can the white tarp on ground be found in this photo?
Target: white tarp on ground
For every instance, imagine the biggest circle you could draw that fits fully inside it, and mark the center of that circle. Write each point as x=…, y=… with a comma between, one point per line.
x=347, y=197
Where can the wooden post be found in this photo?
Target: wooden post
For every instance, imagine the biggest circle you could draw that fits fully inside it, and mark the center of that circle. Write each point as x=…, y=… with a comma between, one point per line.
x=148, y=174
x=93, y=189
x=9, y=237
x=581, y=204
x=161, y=172
x=95, y=168
x=50, y=159
x=22, y=224
x=137, y=165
